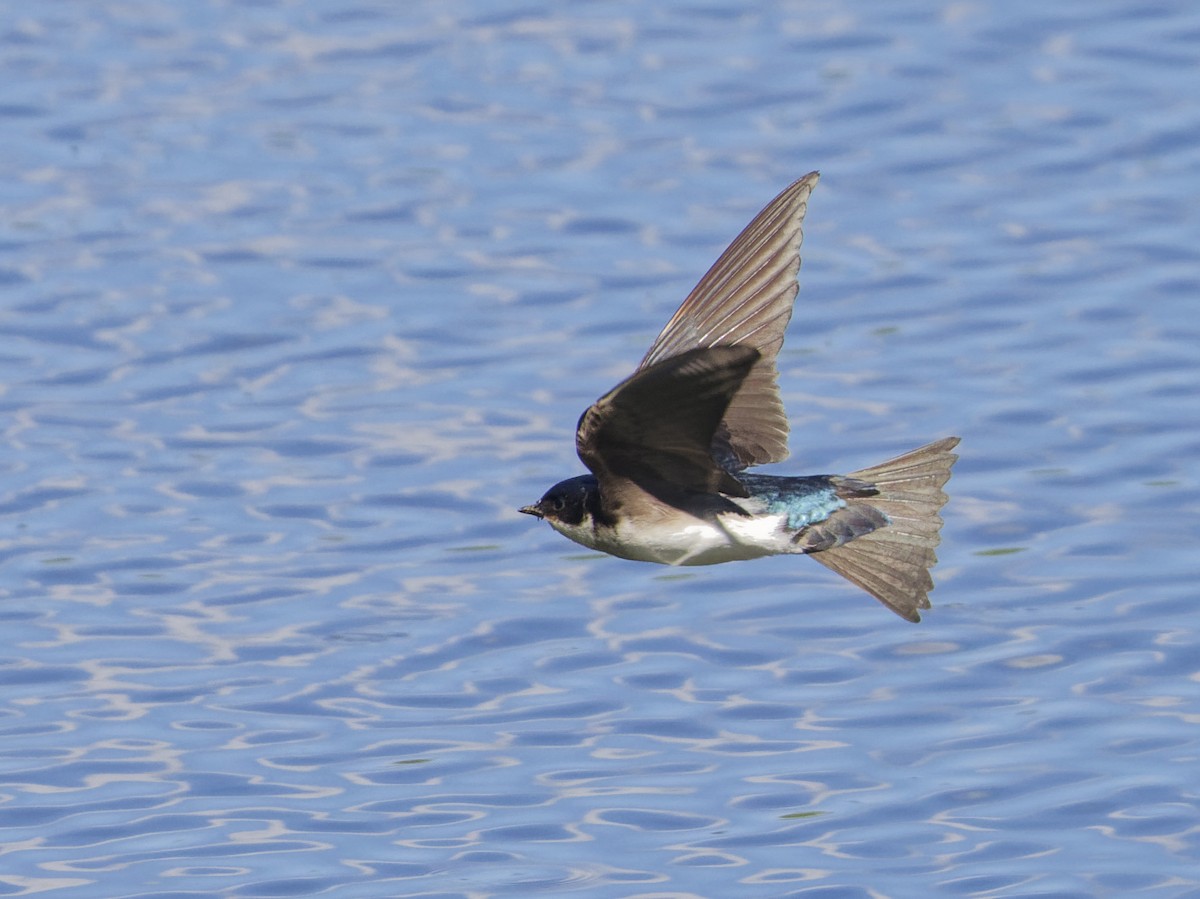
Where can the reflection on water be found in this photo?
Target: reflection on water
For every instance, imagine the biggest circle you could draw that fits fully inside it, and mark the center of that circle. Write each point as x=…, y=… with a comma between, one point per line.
x=300, y=304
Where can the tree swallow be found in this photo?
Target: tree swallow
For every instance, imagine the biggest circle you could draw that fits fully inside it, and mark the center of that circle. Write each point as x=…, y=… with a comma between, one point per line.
x=668, y=447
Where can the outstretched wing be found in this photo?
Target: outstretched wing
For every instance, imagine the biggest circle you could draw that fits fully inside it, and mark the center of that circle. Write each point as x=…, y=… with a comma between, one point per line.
x=746, y=299
x=656, y=427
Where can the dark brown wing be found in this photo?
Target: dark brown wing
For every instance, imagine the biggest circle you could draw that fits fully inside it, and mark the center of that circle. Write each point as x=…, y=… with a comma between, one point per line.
x=746, y=298
x=657, y=426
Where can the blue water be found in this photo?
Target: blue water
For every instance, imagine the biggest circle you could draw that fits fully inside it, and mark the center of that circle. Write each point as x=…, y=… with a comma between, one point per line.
x=301, y=301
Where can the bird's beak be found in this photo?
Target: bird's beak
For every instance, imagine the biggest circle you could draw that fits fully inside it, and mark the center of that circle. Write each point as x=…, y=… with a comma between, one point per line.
x=534, y=510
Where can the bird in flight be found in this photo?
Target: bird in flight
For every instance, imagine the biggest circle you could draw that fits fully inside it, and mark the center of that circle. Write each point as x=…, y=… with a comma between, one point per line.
x=669, y=447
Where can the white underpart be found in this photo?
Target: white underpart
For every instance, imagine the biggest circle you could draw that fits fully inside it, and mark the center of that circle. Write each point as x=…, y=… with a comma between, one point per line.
x=731, y=538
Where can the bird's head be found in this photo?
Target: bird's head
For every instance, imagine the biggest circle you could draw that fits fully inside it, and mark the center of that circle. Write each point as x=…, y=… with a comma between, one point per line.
x=567, y=502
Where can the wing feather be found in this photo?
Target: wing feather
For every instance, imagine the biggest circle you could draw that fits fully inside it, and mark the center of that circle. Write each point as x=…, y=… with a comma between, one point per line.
x=746, y=298
x=655, y=427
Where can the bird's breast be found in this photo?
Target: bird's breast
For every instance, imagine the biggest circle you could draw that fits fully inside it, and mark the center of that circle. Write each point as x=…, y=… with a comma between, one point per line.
x=685, y=540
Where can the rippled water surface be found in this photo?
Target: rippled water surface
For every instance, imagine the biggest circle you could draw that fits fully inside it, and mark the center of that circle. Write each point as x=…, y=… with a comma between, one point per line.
x=302, y=300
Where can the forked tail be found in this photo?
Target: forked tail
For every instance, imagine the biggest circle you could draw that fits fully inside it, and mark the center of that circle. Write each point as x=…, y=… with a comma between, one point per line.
x=892, y=562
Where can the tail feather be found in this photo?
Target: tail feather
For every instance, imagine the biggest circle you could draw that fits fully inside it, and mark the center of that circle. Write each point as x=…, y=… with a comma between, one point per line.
x=892, y=563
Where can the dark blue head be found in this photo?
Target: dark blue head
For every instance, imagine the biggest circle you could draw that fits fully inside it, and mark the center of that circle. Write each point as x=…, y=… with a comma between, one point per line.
x=567, y=502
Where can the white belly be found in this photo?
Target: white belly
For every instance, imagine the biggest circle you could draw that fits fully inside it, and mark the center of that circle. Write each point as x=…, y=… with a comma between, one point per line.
x=701, y=542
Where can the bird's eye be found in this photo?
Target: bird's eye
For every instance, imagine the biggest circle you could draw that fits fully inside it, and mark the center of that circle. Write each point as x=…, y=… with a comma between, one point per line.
x=559, y=504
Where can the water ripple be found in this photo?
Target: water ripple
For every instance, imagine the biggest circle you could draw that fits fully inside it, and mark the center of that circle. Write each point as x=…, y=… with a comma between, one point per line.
x=301, y=304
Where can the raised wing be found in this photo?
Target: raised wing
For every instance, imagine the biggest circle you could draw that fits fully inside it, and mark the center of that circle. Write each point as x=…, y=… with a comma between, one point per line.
x=746, y=299
x=656, y=427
